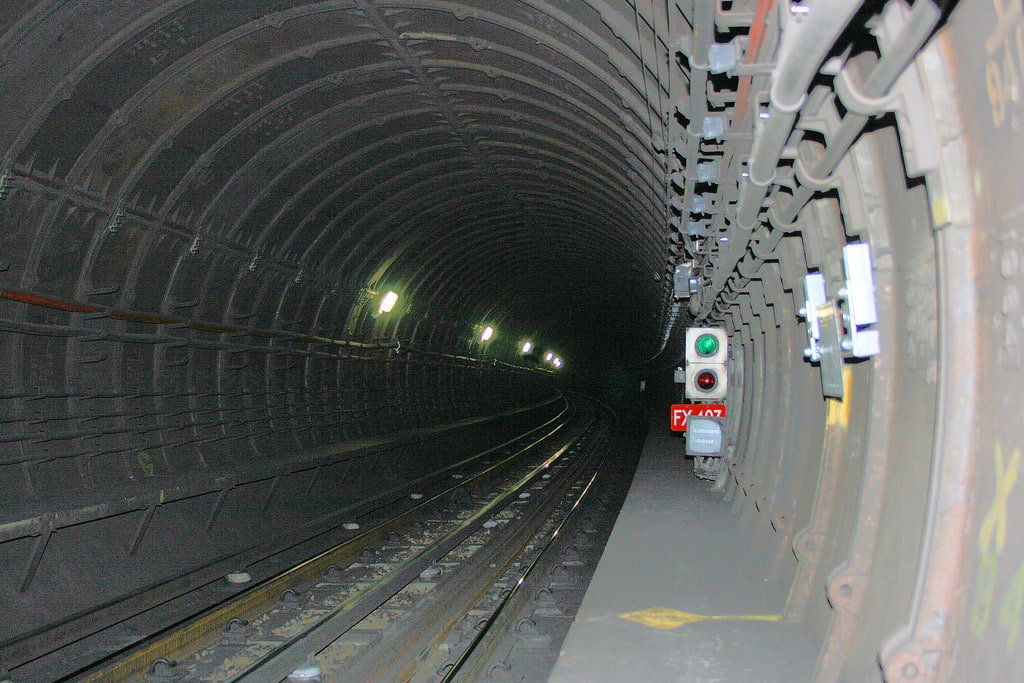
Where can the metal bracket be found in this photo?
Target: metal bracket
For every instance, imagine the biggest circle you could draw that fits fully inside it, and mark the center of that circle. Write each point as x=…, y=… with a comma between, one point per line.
x=708, y=171
x=702, y=203
x=836, y=329
x=117, y=219
x=831, y=358
x=723, y=57
x=255, y=262
x=5, y=182
x=814, y=296
x=713, y=127
x=681, y=280
x=823, y=346
x=859, y=296
x=707, y=467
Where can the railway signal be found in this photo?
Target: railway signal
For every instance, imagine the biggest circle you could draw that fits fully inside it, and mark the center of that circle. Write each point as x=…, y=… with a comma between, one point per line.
x=707, y=351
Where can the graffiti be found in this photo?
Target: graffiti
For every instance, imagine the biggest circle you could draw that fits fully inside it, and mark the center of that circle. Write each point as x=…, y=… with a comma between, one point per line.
x=1004, y=50
x=991, y=539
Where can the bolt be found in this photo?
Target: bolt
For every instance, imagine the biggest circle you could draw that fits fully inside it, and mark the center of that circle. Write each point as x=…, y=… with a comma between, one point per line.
x=909, y=670
x=236, y=626
x=526, y=626
x=499, y=671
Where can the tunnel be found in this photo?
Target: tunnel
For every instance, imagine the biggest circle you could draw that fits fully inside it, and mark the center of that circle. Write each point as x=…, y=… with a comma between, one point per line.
x=261, y=261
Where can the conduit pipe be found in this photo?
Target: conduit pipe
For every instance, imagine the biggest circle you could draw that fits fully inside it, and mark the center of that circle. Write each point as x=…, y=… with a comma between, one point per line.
x=806, y=42
x=861, y=104
x=159, y=319
x=703, y=32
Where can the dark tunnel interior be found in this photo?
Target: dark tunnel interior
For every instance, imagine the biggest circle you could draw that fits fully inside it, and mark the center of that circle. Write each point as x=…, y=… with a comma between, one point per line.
x=262, y=261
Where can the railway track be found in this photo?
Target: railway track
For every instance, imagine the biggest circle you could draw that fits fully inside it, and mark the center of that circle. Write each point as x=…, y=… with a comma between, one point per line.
x=395, y=578
x=430, y=592
x=66, y=648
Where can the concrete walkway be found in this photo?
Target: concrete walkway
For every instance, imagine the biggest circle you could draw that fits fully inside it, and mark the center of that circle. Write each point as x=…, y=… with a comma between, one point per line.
x=681, y=593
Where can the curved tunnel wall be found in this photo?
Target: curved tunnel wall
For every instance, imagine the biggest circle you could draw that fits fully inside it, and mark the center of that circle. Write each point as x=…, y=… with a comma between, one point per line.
x=203, y=202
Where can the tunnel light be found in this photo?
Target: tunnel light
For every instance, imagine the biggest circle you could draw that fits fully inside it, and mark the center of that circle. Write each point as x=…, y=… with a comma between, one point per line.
x=387, y=304
x=549, y=356
x=487, y=334
x=527, y=347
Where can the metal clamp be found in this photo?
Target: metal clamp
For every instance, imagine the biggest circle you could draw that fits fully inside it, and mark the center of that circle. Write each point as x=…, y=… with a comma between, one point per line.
x=859, y=297
x=814, y=296
x=837, y=328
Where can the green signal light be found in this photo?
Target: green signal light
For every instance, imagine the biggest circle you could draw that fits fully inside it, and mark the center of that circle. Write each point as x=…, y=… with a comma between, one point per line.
x=707, y=345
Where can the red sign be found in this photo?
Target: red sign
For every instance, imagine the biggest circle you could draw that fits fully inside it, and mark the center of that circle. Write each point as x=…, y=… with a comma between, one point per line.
x=681, y=411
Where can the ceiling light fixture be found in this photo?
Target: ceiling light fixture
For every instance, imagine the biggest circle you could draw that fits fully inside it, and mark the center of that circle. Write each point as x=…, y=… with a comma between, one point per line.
x=388, y=302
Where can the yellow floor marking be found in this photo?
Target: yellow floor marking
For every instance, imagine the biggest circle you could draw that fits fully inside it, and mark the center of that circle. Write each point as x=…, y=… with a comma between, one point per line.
x=667, y=619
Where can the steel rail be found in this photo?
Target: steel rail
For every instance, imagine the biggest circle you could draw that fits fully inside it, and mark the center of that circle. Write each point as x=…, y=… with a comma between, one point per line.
x=30, y=646
x=284, y=658
x=188, y=636
x=488, y=567
x=484, y=630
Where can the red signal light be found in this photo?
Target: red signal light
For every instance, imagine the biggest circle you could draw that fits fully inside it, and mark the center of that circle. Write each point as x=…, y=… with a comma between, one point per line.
x=706, y=380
